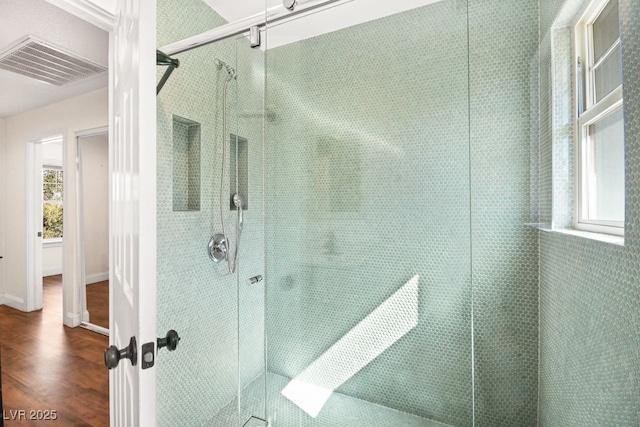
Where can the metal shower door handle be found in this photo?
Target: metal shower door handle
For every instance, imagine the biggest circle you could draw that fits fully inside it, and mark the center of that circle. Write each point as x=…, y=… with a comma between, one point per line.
x=170, y=341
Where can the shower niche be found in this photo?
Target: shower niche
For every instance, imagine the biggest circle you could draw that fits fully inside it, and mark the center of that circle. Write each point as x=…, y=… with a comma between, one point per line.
x=186, y=164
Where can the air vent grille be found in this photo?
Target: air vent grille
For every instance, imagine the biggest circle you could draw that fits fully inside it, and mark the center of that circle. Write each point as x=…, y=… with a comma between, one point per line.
x=41, y=61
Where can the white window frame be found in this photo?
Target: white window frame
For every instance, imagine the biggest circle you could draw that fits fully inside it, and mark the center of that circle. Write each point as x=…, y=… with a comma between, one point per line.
x=593, y=112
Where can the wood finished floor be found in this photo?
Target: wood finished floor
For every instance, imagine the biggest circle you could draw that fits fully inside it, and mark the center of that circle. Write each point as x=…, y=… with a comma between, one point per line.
x=46, y=366
x=98, y=303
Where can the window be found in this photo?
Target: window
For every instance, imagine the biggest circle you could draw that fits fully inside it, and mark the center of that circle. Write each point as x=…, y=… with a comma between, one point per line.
x=600, y=143
x=52, y=196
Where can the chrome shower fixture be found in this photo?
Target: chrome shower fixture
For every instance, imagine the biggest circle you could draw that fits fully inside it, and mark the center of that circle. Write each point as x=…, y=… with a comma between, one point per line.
x=219, y=247
x=238, y=202
x=165, y=60
x=230, y=70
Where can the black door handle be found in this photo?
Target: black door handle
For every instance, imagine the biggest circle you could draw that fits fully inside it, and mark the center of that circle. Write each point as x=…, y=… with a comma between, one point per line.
x=170, y=341
x=112, y=355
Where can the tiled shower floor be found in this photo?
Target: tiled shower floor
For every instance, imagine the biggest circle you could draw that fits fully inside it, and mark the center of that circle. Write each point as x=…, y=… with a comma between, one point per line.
x=339, y=411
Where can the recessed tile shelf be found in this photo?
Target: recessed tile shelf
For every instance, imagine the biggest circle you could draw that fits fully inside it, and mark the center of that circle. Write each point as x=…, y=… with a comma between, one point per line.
x=186, y=164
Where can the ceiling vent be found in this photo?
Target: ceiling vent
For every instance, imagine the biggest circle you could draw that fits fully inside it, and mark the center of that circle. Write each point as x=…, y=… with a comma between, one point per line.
x=41, y=61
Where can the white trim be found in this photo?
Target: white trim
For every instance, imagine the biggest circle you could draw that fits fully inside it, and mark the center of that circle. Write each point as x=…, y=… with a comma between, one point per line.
x=85, y=279
x=592, y=112
x=87, y=11
x=600, y=237
x=1, y=299
x=52, y=243
x=95, y=328
x=92, y=132
x=606, y=105
x=96, y=278
x=33, y=190
x=51, y=272
x=14, y=302
x=52, y=163
x=73, y=320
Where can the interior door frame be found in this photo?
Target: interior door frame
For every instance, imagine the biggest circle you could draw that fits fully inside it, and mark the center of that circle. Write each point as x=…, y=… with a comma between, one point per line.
x=135, y=195
x=33, y=297
x=81, y=289
x=33, y=210
x=140, y=398
x=88, y=11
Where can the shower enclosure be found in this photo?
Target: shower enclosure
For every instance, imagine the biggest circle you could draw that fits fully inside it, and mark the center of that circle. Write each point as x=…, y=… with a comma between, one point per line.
x=348, y=138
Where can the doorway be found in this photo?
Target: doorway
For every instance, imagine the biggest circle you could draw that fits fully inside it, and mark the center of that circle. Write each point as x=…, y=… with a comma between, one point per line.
x=45, y=224
x=93, y=218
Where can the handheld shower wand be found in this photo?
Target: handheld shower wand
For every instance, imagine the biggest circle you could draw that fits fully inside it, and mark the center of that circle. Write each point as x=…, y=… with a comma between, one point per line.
x=238, y=201
x=219, y=244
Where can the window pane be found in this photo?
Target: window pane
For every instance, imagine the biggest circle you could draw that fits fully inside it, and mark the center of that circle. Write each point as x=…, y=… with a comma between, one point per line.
x=51, y=221
x=606, y=184
x=52, y=184
x=605, y=29
x=48, y=191
x=49, y=176
x=608, y=75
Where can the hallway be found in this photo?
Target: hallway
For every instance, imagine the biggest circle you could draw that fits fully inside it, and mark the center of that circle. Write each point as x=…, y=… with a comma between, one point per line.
x=48, y=367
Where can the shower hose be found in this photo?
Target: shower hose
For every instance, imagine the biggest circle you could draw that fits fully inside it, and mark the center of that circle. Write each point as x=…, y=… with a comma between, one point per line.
x=232, y=265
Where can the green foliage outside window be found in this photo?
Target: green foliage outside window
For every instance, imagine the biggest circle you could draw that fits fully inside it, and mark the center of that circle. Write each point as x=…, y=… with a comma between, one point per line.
x=52, y=196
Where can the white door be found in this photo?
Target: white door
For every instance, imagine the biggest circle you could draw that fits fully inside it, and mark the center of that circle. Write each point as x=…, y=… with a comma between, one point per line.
x=133, y=210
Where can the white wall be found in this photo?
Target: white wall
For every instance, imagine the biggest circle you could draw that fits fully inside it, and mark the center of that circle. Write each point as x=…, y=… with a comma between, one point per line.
x=52, y=253
x=72, y=115
x=51, y=260
x=95, y=189
x=52, y=154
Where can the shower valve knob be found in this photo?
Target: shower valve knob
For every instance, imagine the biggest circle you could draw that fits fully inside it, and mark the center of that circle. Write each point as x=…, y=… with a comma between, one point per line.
x=217, y=248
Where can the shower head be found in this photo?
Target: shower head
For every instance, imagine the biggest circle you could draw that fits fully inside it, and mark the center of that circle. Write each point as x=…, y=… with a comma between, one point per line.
x=230, y=70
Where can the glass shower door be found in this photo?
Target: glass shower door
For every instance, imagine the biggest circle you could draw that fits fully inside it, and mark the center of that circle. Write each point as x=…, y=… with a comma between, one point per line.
x=248, y=154
x=368, y=219
x=217, y=313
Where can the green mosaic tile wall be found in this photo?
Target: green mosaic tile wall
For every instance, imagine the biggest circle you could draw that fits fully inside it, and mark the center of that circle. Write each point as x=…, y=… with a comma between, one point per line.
x=503, y=45
x=331, y=103
x=368, y=185
x=218, y=315
x=590, y=291
x=503, y=41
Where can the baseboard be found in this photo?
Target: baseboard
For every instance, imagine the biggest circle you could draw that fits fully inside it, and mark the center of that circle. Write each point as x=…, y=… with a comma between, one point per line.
x=1, y=299
x=85, y=316
x=98, y=277
x=14, y=302
x=72, y=320
x=51, y=272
